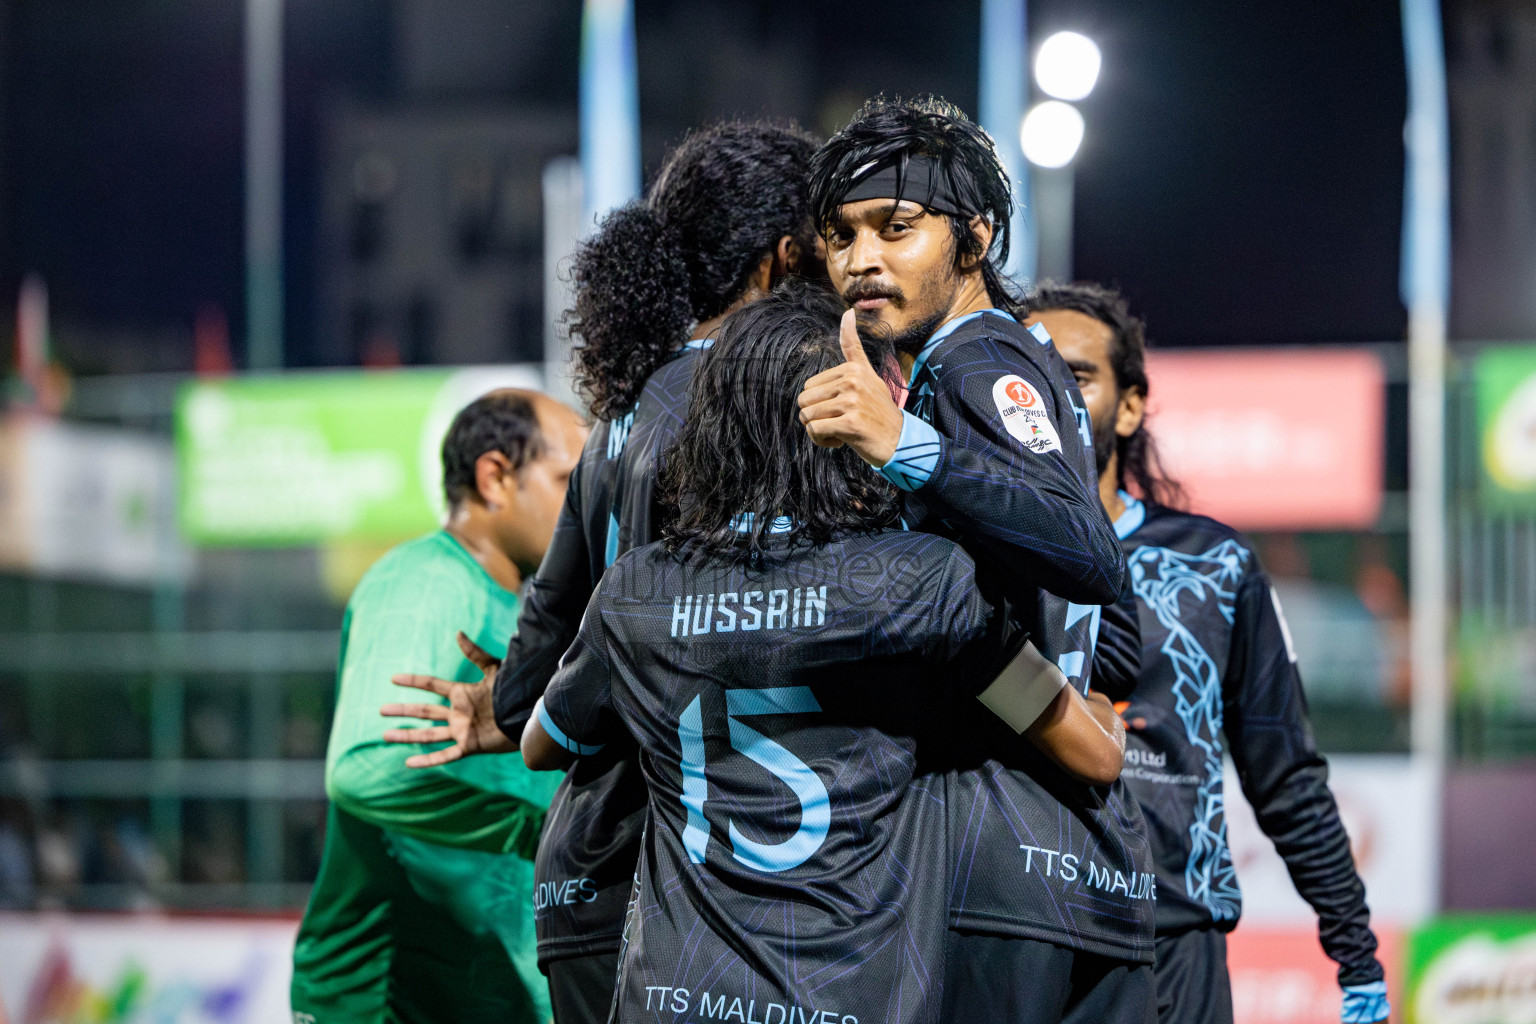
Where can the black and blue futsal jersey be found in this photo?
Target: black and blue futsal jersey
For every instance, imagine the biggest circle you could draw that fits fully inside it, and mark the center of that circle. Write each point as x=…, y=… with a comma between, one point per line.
x=997, y=453
x=792, y=870
x=1217, y=662
x=996, y=450
x=591, y=839
x=659, y=416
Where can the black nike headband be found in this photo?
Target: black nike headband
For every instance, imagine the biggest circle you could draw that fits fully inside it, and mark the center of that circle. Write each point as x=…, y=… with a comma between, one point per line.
x=916, y=178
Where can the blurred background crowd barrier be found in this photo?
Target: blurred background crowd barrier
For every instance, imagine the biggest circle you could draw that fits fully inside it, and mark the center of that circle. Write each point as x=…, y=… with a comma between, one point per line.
x=262, y=250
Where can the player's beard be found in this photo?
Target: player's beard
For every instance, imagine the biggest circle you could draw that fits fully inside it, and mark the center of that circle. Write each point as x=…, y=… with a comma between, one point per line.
x=1104, y=441
x=935, y=297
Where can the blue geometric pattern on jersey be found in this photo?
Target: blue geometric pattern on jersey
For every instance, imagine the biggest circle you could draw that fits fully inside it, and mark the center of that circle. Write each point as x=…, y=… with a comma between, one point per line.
x=916, y=455
x=943, y=332
x=1365, y=1004
x=922, y=405
x=1162, y=577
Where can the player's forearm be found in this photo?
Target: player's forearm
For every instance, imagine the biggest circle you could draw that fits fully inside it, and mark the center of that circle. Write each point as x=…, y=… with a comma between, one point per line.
x=1302, y=819
x=551, y=614
x=549, y=622
x=1085, y=737
x=1046, y=523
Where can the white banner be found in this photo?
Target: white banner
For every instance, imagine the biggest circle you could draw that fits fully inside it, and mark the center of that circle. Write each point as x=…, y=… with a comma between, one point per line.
x=1388, y=804
x=95, y=503
x=129, y=969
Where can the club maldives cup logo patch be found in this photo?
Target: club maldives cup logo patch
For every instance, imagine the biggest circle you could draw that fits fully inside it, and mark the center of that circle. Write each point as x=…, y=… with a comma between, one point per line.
x=1024, y=414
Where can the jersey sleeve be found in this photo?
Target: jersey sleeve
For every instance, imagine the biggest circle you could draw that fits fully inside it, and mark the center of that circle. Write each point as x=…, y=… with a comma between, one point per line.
x=551, y=612
x=966, y=617
x=577, y=710
x=1286, y=779
x=389, y=630
x=1042, y=516
x=1117, y=651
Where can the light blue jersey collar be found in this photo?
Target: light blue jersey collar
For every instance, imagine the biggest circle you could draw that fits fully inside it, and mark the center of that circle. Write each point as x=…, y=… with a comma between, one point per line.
x=944, y=331
x=744, y=521
x=699, y=343
x=1131, y=519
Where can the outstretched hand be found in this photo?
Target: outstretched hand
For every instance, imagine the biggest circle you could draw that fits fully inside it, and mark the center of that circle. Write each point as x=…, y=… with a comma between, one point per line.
x=470, y=715
x=851, y=404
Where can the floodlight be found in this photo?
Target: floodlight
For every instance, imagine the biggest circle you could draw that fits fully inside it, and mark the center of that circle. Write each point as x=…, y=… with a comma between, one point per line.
x=1067, y=65
x=1051, y=133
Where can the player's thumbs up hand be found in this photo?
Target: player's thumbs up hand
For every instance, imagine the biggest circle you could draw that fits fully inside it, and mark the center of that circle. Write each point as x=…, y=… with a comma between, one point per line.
x=851, y=404
x=852, y=345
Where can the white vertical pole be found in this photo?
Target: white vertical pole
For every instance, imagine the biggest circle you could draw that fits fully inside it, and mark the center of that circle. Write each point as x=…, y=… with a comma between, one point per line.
x=1053, y=222
x=264, y=183
x=610, y=108
x=1004, y=90
x=1426, y=291
x=562, y=230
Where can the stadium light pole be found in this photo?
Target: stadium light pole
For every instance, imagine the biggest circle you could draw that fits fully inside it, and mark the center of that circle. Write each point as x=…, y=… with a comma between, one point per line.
x=1004, y=90
x=1066, y=69
x=1425, y=287
x=610, y=109
x=577, y=193
x=264, y=184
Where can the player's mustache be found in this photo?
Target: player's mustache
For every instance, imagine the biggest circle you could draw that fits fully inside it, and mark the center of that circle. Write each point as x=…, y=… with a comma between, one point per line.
x=871, y=290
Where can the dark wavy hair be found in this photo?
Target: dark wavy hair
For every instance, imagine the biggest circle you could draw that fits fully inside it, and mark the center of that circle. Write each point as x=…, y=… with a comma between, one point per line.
x=721, y=201
x=1139, y=465
x=889, y=129
x=743, y=459
x=503, y=421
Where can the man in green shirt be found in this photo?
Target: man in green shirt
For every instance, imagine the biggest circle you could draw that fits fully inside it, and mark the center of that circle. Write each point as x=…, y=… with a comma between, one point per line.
x=423, y=911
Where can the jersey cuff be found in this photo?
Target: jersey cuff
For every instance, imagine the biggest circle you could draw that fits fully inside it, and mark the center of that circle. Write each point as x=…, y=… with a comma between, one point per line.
x=1365, y=1004
x=916, y=456
x=558, y=735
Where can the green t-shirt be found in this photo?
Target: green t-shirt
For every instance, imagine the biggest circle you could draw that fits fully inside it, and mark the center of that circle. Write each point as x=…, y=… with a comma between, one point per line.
x=423, y=908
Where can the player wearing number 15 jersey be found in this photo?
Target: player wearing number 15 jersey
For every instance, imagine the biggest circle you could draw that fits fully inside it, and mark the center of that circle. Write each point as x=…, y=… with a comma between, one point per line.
x=785, y=662
x=723, y=219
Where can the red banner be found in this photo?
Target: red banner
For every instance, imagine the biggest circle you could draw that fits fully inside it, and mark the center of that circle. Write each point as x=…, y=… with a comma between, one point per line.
x=1275, y=439
x=1280, y=975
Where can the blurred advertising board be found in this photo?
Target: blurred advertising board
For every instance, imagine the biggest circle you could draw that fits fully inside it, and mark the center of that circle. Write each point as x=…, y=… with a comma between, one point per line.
x=1273, y=440
x=1388, y=803
x=1473, y=970
x=305, y=458
x=101, y=969
x=1281, y=975
x=1506, y=423
x=88, y=502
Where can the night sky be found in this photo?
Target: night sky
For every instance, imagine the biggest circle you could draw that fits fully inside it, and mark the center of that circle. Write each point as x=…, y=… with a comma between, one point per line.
x=1241, y=177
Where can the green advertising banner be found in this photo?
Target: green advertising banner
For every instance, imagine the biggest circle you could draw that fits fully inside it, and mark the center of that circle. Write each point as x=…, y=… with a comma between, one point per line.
x=1506, y=425
x=304, y=458
x=1473, y=969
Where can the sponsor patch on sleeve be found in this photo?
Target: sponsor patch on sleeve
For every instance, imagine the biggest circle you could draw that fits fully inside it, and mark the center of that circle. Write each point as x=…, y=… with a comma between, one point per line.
x=1025, y=415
